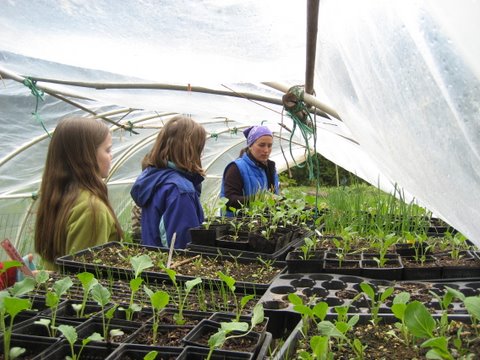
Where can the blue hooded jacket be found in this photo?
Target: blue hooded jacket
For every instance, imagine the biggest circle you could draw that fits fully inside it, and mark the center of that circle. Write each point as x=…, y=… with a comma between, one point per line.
x=170, y=202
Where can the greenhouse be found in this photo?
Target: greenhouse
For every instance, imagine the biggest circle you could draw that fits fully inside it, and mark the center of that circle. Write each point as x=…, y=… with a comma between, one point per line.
x=387, y=90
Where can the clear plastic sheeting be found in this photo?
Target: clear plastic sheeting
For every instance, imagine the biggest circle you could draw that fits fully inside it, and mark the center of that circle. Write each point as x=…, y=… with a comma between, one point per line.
x=402, y=75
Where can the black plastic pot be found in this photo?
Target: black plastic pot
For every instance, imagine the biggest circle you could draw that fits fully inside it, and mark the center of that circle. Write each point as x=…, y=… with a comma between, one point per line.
x=346, y=267
x=226, y=317
x=60, y=350
x=296, y=263
x=167, y=335
x=230, y=242
x=33, y=345
x=38, y=330
x=207, y=237
x=469, y=269
x=413, y=270
x=96, y=325
x=138, y=352
x=200, y=353
x=392, y=269
x=199, y=335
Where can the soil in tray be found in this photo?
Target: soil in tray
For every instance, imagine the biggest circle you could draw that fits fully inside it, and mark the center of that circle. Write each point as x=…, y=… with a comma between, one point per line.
x=243, y=343
x=165, y=337
x=205, y=267
x=382, y=344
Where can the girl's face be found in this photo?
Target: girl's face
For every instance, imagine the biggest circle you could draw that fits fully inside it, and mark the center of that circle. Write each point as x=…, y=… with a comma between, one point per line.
x=104, y=156
x=262, y=148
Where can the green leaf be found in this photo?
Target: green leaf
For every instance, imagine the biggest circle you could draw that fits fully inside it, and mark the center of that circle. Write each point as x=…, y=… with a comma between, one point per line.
x=234, y=326
x=15, y=352
x=399, y=310
x=342, y=326
x=43, y=321
x=189, y=285
x=418, y=320
x=61, y=286
x=455, y=293
x=228, y=280
x=320, y=310
x=244, y=300
x=295, y=299
x=141, y=263
x=100, y=294
x=472, y=304
x=135, y=284
x=328, y=328
x=116, y=332
x=353, y=320
x=151, y=355
x=87, y=280
x=94, y=337
x=13, y=306
x=386, y=294
x=258, y=314
x=52, y=299
x=42, y=276
x=23, y=287
x=402, y=298
x=217, y=340
x=319, y=346
x=159, y=299
x=69, y=332
x=367, y=289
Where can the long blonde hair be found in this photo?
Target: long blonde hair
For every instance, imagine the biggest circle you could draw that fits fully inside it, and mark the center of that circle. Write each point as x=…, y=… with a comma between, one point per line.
x=180, y=141
x=71, y=166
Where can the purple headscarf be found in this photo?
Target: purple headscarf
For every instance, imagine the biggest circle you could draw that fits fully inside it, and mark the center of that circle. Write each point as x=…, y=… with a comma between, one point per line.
x=254, y=132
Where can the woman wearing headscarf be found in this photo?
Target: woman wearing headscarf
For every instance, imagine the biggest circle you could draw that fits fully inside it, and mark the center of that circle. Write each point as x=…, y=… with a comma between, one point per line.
x=252, y=172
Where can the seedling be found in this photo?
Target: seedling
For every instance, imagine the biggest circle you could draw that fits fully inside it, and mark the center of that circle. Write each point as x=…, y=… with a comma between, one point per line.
x=139, y=264
x=230, y=282
x=398, y=309
x=320, y=349
x=71, y=335
x=217, y=340
x=12, y=305
x=52, y=299
x=309, y=314
x=158, y=300
x=88, y=281
x=422, y=325
x=102, y=296
x=376, y=299
x=181, y=293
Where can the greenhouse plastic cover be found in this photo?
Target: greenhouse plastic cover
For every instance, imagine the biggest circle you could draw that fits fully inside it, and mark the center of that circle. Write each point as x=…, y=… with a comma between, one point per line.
x=401, y=76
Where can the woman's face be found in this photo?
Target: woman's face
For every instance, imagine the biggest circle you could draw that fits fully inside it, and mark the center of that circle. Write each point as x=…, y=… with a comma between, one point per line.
x=262, y=148
x=104, y=156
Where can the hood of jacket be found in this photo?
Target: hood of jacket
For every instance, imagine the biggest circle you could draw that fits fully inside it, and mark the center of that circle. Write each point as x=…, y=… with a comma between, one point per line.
x=152, y=178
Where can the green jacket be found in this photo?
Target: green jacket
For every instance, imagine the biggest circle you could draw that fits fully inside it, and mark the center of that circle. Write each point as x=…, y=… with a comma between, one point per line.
x=81, y=225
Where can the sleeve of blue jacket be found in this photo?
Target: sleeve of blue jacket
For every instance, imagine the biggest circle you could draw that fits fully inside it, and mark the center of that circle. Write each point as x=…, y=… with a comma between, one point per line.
x=183, y=211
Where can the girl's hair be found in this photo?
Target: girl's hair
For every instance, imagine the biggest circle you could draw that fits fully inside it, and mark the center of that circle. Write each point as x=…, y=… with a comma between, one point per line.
x=180, y=141
x=71, y=166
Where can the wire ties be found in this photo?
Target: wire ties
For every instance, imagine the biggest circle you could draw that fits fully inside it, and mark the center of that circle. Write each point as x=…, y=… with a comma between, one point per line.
x=38, y=94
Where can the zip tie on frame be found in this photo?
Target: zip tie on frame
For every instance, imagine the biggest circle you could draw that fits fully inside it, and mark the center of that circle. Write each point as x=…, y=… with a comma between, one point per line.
x=129, y=127
x=38, y=93
x=214, y=136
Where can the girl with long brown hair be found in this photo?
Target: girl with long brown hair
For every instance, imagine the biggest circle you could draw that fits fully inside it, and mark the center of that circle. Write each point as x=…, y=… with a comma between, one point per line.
x=74, y=212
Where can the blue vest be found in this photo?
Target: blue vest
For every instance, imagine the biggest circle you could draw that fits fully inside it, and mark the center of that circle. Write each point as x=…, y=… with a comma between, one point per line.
x=254, y=177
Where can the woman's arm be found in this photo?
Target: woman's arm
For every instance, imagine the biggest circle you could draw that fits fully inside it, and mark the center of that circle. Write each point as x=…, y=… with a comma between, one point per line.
x=233, y=186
